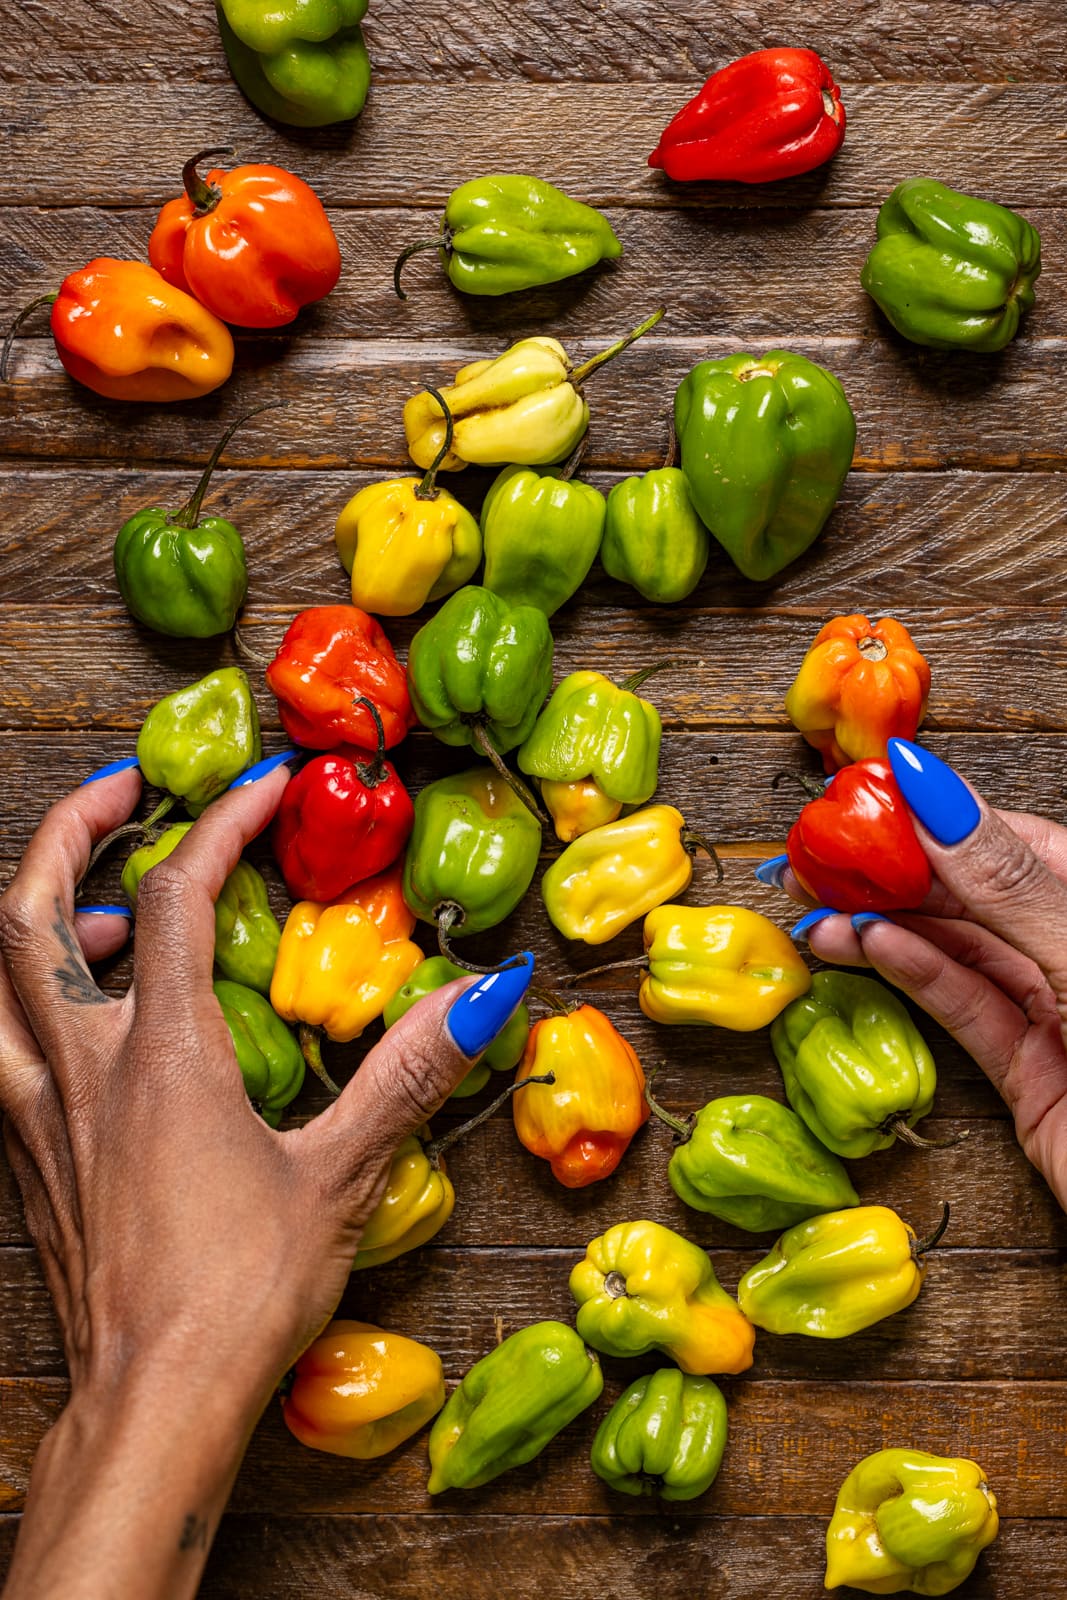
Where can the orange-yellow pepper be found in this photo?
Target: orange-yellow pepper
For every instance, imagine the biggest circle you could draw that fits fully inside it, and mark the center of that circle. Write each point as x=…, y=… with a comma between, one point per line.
x=861, y=684
x=722, y=965
x=417, y=1202
x=582, y=1123
x=578, y=807
x=359, y=1391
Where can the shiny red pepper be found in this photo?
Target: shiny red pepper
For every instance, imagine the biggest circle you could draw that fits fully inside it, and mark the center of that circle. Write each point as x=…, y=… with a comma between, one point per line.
x=331, y=659
x=772, y=114
x=855, y=848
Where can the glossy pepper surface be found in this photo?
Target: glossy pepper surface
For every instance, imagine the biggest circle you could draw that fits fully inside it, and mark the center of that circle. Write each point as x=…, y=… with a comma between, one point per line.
x=836, y=1274
x=855, y=1066
x=359, y=1391
x=418, y=1201
x=510, y=1404
x=507, y=231
x=480, y=670
x=766, y=443
x=253, y=244
x=721, y=965
x=665, y=1435
x=267, y=1053
x=860, y=684
x=541, y=533
x=855, y=848
x=330, y=660
x=909, y=1522
x=642, y=1287
x=583, y=1122
x=505, y=1052
x=653, y=538
x=952, y=271
x=772, y=114
x=474, y=849
x=194, y=742
x=301, y=62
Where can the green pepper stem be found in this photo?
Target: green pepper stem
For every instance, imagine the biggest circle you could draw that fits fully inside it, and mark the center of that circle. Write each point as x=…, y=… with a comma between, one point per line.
x=189, y=515
x=373, y=772
x=442, y=242
x=681, y=1127
x=437, y=1148
x=636, y=679
x=514, y=782
x=921, y=1246
x=427, y=489
x=126, y=829
x=693, y=841
x=204, y=196
x=609, y=966
x=27, y=311
x=811, y=786
x=311, y=1045
x=578, y=375
x=899, y=1128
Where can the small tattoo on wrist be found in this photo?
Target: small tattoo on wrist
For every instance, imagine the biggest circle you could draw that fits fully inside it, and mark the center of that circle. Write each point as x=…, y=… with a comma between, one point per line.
x=194, y=1533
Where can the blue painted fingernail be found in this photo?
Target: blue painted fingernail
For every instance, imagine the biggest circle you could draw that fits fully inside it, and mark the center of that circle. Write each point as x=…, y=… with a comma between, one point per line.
x=261, y=768
x=772, y=871
x=937, y=795
x=112, y=766
x=475, y=1019
x=103, y=911
x=863, y=919
x=810, y=918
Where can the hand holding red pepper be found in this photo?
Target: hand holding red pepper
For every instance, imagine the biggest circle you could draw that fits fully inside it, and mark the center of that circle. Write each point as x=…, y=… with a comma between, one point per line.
x=855, y=847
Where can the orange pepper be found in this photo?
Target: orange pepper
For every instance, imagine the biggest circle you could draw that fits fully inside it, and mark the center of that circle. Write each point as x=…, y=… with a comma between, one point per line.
x=360, y=1391
x=859, y=685
x=582, y=1123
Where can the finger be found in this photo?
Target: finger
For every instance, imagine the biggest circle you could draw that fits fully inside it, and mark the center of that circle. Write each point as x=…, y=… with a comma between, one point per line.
x=22, y=1064
x=102, y=930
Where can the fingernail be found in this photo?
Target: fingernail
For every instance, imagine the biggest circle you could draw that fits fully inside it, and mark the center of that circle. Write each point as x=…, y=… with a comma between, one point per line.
x=475, y=1019
x=862, y=919
x=112, y=766
x=937, y=795
x=800, y=929
x=261, y=768
x=103, y=911
x=772, y=871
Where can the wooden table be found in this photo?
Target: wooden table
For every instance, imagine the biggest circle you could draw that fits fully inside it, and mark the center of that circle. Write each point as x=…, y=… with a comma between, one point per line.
x=954, y=520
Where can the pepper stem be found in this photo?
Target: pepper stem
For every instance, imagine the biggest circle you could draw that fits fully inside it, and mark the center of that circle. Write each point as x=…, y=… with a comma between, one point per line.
x=442, y=242
x=144, y=828
x=900, y=1130
x=672, y=441
x=579, y=374
x=245, y=650
x=682, y=1127
x=810, y=786
x=27, y=311
x=609, y=966
x=636, y=679
x=921, y=1246
x=204, y=196
x=615, y=1286
x=373, y=772
x=311, y=1045
x=437, y=1148
x=427, y=489
x=514, y=782
x=693, y=841
x=573, y=461
x=189, y=515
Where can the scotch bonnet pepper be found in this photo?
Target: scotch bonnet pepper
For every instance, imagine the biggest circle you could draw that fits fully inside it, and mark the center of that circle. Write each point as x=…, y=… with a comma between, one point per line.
x=268, y=1055
x=331, y=661
x=860, y=684
x=300, y=62
x=721, y=965
x=359, y=1391
x=855, y=847
x=541, y=532
x=665, y=1435
x=505, y=1052
x=653, y=538
x=418, y=1200
x=194, y=742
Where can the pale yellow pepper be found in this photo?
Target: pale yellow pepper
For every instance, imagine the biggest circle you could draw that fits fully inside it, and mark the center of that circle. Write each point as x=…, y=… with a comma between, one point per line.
x=360, y=1391
x=417, y=1202
x=722, y=965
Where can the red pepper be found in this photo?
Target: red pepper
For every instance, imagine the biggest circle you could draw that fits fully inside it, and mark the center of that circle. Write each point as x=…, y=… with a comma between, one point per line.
x=772, y=114
x=345, y=817
x=855, y=848
x=332, y=659
x=254, y=245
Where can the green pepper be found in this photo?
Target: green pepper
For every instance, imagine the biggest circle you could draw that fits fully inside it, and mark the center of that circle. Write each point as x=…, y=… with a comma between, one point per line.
x=949, y=270
x=855, y=1066
x=505, y=1052
x=507, y=231
x=271, y=1061
x=664, y=1435
x=472, y=851
x=480, y=670
x=593, y=728
x=193, y=743
x=541, y=532
x=510, y=1404
x=653, y=538
x=246, y=930
x=766, y=442
x=301, y=62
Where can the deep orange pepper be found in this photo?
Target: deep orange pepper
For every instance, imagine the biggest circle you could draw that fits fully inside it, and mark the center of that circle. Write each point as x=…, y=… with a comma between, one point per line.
x=860, y=684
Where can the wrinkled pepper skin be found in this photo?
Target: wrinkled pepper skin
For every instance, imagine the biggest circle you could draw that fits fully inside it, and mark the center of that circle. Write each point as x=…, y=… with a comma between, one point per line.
x=860, y=684
x=505, y=1052
x=359, y=1391
x=593, y=730
x=267, y=1053
x=752, y=1162
x=418, y=1201
x=952, y=271
x=642, y=1287
x=510, y=1404
x=344, y=817
x=909, y=1522
x=855, y=1066
x=404, y=550
x=612, y=876
x=303, y=64
x=665, y=1435
x=766, y=443
x=722, y=966
x=771, y=114
x=835, y=1274
x=339, y=965
x=194, y=742
x=653, y=538
x=124, y=332
x=855, y=848
x=474, y=845
x=328, y=657
x=541, y=535
x=481, y=664
x=583, y=1123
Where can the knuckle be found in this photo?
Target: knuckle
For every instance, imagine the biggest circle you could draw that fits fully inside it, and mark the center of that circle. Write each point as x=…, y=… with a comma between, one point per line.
x=19, y=923
x=1009, y=871
x=165, y=884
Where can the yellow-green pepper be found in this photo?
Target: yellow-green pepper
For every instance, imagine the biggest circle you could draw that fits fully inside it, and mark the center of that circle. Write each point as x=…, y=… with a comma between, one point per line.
x=721, y=965
x=194, y=742
x=664, y=1435
x=418, y=1201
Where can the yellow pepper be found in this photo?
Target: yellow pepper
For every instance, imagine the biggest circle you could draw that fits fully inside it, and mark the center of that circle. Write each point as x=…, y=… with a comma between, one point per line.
x=359, y=1391
x=608, y=878
x=578, y=807
x=721, y=965
x=417, y=1202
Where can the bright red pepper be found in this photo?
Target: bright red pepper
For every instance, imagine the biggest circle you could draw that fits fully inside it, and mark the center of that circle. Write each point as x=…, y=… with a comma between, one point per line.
x=254, y=245
x=855, y=848
x=772, y=114
x=330, y=659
